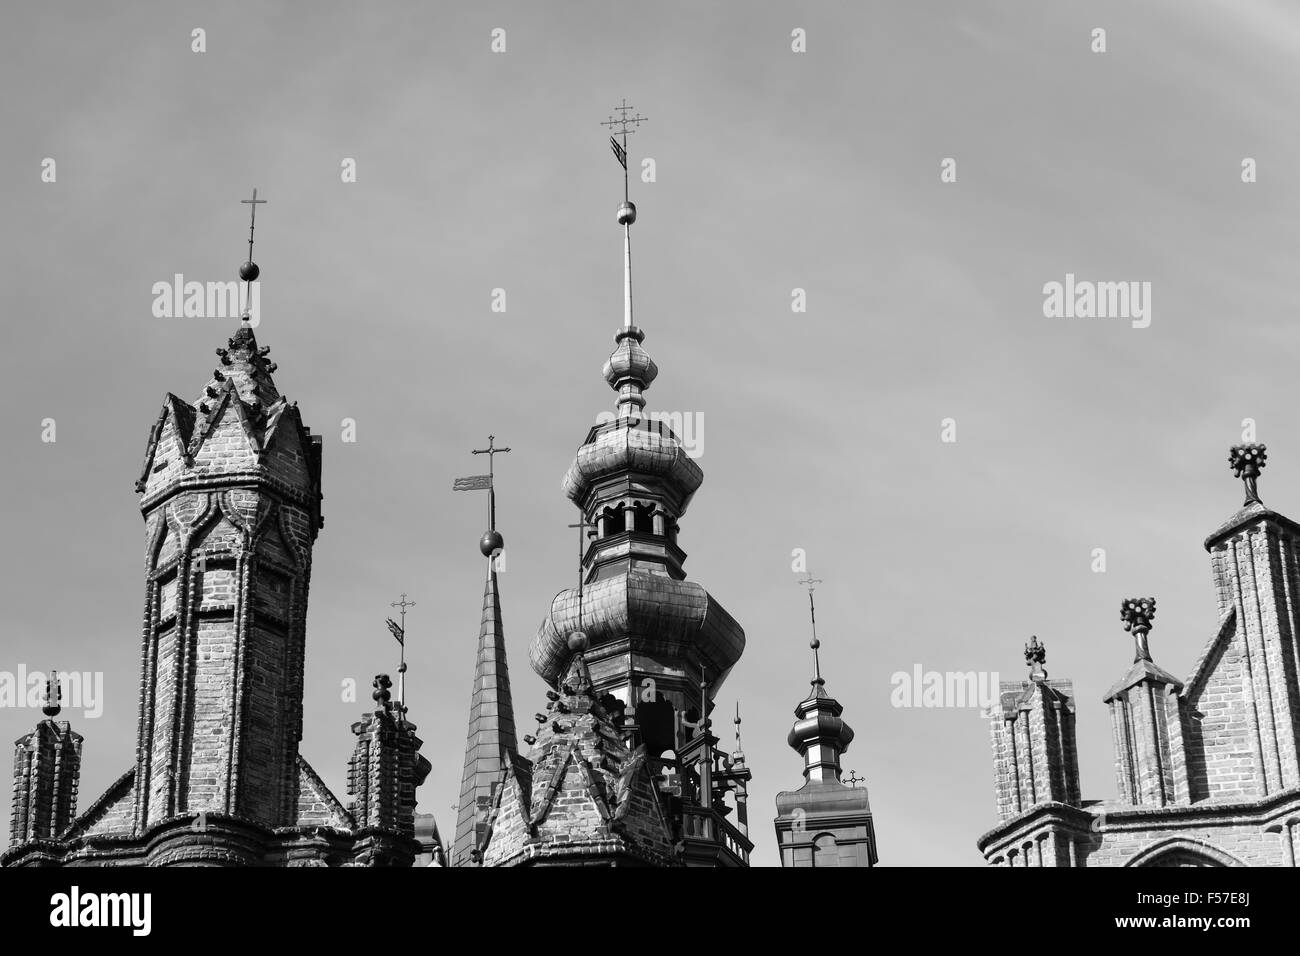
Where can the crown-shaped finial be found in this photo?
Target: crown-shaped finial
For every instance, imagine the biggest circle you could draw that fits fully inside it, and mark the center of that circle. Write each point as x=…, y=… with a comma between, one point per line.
x=1247, y=462
x=1137, y=613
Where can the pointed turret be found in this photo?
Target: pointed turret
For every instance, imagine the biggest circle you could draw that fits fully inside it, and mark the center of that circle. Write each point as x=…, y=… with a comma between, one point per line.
x=491, y=745
x=825, y=822
x=588, y=799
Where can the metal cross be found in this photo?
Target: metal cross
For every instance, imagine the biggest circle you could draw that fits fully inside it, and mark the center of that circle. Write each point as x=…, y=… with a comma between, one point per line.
x=854, y=779
x=403, y=604
x=252, y=219
x=626, y=124
x=401, y=667
x=491, y=451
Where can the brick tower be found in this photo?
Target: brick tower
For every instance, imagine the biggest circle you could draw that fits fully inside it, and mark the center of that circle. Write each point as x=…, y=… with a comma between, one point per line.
x=47, y=771
x=1206, y=768
x=230, y=493
x=231, y=499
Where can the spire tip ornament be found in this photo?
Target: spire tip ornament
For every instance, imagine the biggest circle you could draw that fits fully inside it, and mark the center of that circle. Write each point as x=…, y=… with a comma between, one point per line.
x=1137, y=613
x=1247, y=461
x=1036, y=657
x=249, y=271
x=815, y=644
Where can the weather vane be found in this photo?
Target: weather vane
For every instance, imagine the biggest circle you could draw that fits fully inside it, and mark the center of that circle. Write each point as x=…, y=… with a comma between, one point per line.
x=399, y=631
x=625, y=124
x=492, y=543
x=491, y=451
x=249, y=270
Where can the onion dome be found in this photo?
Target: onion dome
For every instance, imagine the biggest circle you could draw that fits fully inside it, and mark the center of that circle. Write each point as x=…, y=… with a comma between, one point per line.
x=640, y=446
x=630, y=370
x=820, y=727
x=643, y=610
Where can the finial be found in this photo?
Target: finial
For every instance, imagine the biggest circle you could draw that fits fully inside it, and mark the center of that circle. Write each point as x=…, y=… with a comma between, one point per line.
x=491, y=536
x=627, y=210
x=1247, y=462
x=854, y=779
x=740, y=751
x=1036, y=657
x=53, y=695
x=249, y=270
x=399, y=631
x=381, y=695
x=1136, y=613
x=814, y=643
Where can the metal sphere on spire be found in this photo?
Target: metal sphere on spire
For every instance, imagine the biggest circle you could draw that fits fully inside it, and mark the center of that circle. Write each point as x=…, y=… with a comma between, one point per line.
x=249, y=271
x=491, y=543
x=626, y=213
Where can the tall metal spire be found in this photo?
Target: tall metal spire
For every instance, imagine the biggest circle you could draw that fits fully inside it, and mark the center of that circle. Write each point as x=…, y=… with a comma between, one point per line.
x=623, y=125
x=249, y=270
x=815, y=644
x=399, y=631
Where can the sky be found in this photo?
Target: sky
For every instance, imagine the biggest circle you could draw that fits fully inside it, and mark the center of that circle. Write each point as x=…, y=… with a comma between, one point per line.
x=824, y=429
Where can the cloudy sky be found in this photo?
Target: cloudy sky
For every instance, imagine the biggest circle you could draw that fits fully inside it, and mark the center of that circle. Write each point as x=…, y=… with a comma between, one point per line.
x=775, y=170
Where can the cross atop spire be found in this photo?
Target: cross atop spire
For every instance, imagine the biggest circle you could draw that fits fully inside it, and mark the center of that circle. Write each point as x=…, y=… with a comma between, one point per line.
x=491, y=451
x=249, y=270
x=815, y=644
x=399, y=631
x=625, y=124
x=627, y=211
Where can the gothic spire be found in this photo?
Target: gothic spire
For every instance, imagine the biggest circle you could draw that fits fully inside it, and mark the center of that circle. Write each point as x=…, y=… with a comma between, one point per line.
x=490, y=746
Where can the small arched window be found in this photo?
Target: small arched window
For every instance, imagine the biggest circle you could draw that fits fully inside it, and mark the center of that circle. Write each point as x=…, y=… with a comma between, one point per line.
x=825, y=851
x=643, y=519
